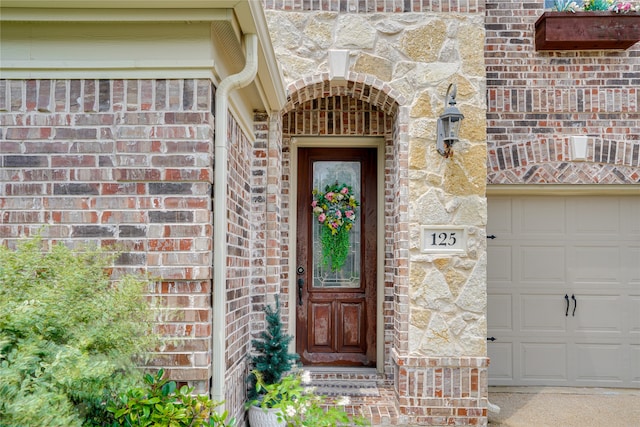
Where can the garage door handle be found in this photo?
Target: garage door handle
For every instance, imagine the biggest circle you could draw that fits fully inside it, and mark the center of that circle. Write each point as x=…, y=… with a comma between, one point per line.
x=575, y=304
x=566, y=312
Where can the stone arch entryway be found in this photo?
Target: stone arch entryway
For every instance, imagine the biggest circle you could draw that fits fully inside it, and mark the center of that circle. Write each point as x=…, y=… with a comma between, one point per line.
x=361, y=106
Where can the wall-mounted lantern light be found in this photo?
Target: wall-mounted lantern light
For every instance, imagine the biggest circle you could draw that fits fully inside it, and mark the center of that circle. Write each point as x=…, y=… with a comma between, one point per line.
x=449, y=123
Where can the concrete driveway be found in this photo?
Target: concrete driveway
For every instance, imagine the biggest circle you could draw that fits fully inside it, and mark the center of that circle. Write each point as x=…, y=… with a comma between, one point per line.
x=565, y=407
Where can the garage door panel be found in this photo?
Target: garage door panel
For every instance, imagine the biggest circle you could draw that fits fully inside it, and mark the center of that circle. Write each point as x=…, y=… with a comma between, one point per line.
x=542, y=216
x=589, y=218
x=594, y=363
x=635, y=365
x=633, y=317
x=542, y=264
x=598, y=314
x=499, y=273
x=588, y=247
x=499, y=217
x=630, y=267
x=544, y=361
x=542, y=313
x=500, y=312
x=594, y=264
x=501, y=356
x=630, y=215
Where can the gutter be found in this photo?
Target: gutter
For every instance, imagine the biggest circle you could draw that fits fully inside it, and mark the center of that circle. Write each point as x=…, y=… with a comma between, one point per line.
x=220, y=224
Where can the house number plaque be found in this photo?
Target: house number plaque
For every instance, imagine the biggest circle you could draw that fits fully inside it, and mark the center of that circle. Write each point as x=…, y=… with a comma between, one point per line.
x=443, y=239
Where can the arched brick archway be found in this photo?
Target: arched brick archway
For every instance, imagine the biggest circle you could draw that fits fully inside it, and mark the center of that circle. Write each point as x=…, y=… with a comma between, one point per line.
x=359, y=86
x=360, y=106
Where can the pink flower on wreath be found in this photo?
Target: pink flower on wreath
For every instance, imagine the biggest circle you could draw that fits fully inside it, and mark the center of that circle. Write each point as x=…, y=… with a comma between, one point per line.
x=622, y=7
x=338, y=214
x=329, y=196
x=350, y=214
x=322, y=217
x=344, y=190
x=314, y=203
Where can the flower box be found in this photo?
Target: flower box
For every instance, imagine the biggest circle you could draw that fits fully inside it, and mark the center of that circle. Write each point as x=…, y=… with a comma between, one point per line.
x=587, y=30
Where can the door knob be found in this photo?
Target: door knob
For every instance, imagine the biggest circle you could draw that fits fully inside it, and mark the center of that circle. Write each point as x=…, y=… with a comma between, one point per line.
x=575, y=304
x=566, y=312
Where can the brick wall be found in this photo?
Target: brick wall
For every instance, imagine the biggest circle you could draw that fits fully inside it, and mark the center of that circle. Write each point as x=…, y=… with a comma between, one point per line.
x=442, y=390
x=537, y=100
x=124, y=162
x=240, y=274
x=269, y=235
x=269, y=267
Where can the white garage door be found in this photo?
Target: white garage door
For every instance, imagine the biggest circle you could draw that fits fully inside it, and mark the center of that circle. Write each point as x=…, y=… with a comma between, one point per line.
x=564, y=290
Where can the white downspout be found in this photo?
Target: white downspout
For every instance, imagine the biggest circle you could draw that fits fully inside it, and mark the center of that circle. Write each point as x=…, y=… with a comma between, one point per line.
x=235, y=81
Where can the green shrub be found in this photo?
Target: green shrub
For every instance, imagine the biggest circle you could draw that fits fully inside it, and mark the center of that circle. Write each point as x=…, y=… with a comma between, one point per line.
x=161, y=403
x=271, y=358
x=68, y=335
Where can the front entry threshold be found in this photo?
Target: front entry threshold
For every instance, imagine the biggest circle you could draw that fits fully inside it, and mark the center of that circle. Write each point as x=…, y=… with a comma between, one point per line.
x=344, y=371
x=352, y=381
x=370, y=394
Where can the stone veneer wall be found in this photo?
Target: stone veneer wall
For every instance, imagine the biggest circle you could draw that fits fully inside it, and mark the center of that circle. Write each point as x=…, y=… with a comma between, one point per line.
x=537, y=100
x=129, y=162
x=401, y=65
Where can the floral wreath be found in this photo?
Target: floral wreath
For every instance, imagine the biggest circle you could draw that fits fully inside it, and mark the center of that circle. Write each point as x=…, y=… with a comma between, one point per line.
x=336, y=211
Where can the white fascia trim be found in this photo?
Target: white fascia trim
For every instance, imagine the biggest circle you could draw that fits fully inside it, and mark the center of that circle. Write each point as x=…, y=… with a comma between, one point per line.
x=563, y=190
x=120, y=4
x=270, y=80
x=107, y=70
x=84, y=14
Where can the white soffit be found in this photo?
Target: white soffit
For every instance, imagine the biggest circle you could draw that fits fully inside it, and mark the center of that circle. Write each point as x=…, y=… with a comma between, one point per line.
x=152, y=25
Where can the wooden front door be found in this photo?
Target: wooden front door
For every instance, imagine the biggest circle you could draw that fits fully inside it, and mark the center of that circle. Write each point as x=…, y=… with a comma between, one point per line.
x=336, y=307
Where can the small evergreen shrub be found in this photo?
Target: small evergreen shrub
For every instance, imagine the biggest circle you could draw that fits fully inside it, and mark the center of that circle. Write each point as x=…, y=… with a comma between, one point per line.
x=271, y=356
x=68, y=335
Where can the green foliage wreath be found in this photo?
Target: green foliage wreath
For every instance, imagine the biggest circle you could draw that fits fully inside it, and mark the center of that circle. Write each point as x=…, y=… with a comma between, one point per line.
x=335, y=209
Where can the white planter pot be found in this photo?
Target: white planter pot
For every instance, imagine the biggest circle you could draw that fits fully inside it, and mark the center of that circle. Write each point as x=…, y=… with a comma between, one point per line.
x=259, y=418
